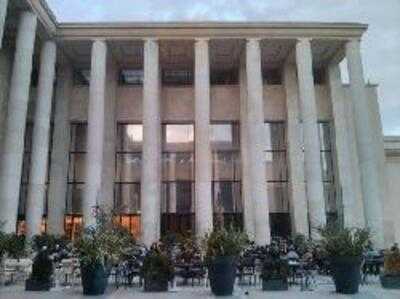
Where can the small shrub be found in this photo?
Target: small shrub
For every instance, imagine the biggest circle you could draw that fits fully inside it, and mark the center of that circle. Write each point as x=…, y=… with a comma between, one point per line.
x=3, y=244
x=15, y=246
x=225, y=242
x=106, y=241
x=336, y=242
x=301, y=244
x=49, y=241
x=157, y=266
x=392, y=262
x=274, y=267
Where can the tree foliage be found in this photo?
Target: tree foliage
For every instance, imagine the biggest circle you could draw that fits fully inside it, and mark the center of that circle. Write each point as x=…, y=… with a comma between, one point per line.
x=336, y=241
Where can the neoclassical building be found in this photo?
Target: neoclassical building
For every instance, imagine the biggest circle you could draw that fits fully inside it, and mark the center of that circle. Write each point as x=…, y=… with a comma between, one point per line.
x=182, y=127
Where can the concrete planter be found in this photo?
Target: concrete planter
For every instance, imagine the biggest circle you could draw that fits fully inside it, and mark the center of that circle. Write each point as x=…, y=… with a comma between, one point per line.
x=346, y=274
x=222, y=273
x=390, y=281
x=94, y=279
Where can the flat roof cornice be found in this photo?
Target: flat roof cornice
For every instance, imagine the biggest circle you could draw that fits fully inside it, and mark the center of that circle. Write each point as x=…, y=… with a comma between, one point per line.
x=45, y=15
x=169, y=30
x=212, y=24
x=120, y=30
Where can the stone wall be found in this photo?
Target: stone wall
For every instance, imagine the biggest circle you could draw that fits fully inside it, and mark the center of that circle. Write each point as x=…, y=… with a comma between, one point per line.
x=392, y=200
x=178, y=103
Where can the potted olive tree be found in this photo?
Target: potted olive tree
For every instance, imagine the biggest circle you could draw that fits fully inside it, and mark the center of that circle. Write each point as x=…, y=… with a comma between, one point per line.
x=51, y=242
x=15, y=246
x=157, y=270
x=3, y=245
x=344, y=247
x=42, y=271
x=223, y=247
x=390, y=279
x=275, y=272
x=98, y=247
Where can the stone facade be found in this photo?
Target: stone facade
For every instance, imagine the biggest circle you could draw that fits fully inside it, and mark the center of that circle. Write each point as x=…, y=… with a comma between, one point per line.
x=307, y=148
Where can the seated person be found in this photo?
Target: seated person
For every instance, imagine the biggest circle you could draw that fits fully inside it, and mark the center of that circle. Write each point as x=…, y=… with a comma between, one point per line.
x=292, y=254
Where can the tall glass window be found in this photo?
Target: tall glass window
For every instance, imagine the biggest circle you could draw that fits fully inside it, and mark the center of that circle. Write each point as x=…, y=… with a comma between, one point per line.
x=277, y=177
x=325, y=134
x=327, y=167
x=26, y=165
x=226, y=172
x=127, y=176
x=76, y=179
x=177, y=201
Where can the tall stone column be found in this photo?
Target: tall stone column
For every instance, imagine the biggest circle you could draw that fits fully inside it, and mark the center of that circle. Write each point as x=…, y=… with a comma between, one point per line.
x=256, y=144
x=5, y=74
x=151, y=165
x=204, y=211
x=246, y=179
x=95, y=140
x=60, y=152
x=110, y=132
x=312, y=155
x=13, y=150
x=41, y=141
x=346, y=151
x=369, y=150
x=3, y=14
x=297, y=187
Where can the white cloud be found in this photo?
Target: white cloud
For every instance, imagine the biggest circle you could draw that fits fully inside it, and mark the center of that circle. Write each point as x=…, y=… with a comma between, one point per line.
x=381, y=46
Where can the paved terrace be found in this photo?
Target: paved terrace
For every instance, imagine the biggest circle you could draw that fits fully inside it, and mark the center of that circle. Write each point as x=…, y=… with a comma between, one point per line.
x=325, y=289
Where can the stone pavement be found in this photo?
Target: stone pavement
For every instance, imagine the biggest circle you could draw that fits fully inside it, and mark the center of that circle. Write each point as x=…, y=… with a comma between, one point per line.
x=325, y=290
x=366, y=292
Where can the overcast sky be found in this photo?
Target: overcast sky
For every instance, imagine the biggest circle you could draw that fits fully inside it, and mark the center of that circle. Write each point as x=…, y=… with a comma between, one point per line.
x=381, y=45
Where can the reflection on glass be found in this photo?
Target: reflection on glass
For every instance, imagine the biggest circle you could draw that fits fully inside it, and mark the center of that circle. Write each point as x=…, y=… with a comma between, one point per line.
x=74, y=198
x=177, y=197
x=131, y=223
x=330, y=199
x=130, y=137
x=275, y=136
x=76, y=174
x=128, y=167
x=177, y=193
x=73, y=226
x=276, y=166
x=131, y=76
x=327, y=166
x=226, y=165
x=178, y=137
x=23, y=195
x=227, y=197
x=278, y=197
x=224, y=136
x=324, y=135
x=127, y=198
x=78, y=137
x=76, y=168
x=178, y=166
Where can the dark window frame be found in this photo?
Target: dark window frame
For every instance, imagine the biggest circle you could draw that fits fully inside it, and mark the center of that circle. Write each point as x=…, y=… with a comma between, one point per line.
x=119, y=183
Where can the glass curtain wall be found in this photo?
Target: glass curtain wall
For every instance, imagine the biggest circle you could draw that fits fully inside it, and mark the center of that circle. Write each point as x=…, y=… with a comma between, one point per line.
x=226, y=175
x=325, y=131
x=26, y=165
x=328, y=169
x=76, y=179
x=277, y=178
x=128, y=162
x=177, y=193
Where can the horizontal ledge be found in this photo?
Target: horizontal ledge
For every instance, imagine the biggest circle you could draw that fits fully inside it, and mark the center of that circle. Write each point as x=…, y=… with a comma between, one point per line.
x=212, y=25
